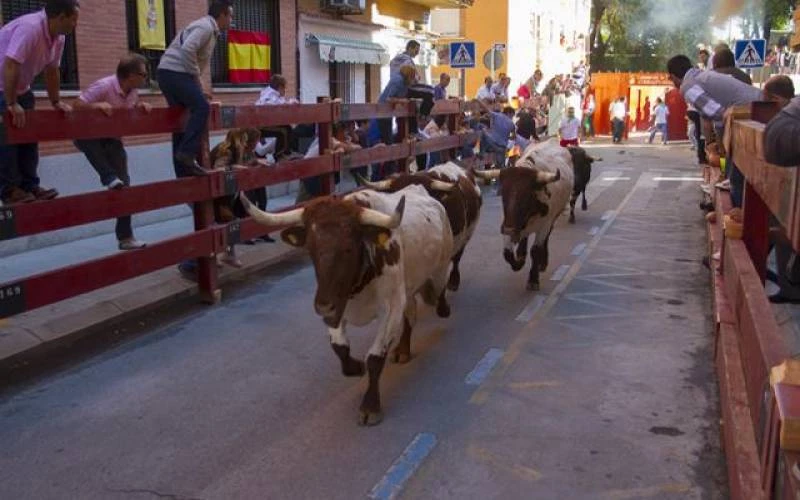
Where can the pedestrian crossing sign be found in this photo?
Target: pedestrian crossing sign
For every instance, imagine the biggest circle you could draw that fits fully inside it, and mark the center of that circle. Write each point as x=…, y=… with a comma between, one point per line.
x=462, y=54
x=750, y=53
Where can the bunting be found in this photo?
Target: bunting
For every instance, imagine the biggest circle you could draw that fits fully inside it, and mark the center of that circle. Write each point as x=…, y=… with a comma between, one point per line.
x=150, y=16
x=248, y=57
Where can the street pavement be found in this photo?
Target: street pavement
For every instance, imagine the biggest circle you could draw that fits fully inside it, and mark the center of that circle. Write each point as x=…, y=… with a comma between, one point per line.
x=599, y=386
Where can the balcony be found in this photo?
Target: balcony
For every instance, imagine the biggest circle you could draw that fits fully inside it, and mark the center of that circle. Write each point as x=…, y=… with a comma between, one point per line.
x=444, y=4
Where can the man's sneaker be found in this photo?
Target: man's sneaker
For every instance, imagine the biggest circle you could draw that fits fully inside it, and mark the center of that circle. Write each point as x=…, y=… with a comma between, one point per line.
x=716, y=256
x=190, y=165
x=131, y=244
x=16, y=195
x=706, y=188
x=44, y=193
x=724, y=185
x=115, y=184
x=187, y=272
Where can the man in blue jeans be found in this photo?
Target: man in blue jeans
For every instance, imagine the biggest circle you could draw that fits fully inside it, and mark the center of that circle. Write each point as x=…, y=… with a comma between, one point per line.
x=180, y=77
x=29, y=45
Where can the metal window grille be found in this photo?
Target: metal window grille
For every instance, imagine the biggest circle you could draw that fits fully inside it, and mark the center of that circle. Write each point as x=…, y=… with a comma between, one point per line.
x=132, y=23
x=248, y=15
x=12, y=9
x=343, y=81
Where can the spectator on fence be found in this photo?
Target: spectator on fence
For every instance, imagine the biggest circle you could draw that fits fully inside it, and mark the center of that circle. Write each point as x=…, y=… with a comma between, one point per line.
x=570, y=128
x=258, y=196
x=500, y=89
x=274, y=94
x=494, y=140
x=440, y=90
x=228, y=155
x=711, y=94
x=396, y=92
x=779, y=89
x=405, y=58
x=108, y=156
x=724, y=62
x=526, y=126
x=29, y=45
x=181, y=79
x=485, y=92
x=436, y=127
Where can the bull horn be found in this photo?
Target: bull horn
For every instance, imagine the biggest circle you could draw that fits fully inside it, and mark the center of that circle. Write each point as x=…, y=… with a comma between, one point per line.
x=548, y=177
x=488, y=175
x=383, y=185
x=442, y=186
x=290, y=218
x=592, y=158
x=375, y=218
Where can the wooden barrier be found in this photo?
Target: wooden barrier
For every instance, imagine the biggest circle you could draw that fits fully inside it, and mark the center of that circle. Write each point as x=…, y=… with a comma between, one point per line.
x=209, y=238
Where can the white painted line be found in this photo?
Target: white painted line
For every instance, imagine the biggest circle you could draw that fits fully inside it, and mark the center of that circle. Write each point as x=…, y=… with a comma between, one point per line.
x=528, y=313
x=404, y=467
x=607, y=215
x=593, y=231
x=678, y=179
x=615, y=179
x=484, y=366
x=579, y=249
x=560, y=273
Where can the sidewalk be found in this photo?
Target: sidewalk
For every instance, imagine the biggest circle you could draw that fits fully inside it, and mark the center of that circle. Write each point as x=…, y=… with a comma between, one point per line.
x=92, y=313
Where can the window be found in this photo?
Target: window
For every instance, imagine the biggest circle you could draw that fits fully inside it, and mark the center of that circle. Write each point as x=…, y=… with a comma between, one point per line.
x=248, y=15
x=344, y=79
x=132, y=22
x=69, y=61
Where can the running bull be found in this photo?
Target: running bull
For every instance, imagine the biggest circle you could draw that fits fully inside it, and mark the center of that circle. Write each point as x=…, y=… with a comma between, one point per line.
x=372, y=254
x=456, y=190
x=535, y=191
x=582, y=165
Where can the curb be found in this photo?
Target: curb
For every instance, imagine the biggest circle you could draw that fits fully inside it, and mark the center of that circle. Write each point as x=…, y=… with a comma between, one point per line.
x=33, y=334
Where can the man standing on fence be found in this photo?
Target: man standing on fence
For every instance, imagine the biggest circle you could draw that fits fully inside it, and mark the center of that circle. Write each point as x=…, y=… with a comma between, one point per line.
x=29, y=45
x=108, y=156
x=180, y=77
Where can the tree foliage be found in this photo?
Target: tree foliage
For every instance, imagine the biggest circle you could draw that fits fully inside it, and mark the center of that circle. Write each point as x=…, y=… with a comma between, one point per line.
x=640, y=35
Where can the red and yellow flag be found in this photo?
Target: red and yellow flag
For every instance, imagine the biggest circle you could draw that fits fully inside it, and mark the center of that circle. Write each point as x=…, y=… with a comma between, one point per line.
x=248, y=57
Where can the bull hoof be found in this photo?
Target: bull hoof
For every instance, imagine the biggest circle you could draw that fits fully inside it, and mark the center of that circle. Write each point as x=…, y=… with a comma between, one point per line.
x=584, y=206
x=353, y=368
x=517, y=266
x=402, y=358
x=533, y=287
x=443, y=309
x=572, y=218
x=454, y=282
x=369, y=418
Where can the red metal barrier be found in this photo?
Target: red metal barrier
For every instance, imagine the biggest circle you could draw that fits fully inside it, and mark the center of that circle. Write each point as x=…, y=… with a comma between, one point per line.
x=208, y=238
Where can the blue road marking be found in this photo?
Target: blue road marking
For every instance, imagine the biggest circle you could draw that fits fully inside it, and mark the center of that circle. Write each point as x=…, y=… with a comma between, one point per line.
x=579, y=249
x=607, y=215
x=593, y=231
x=404, y=467
x=528, y=313
x=484, y=366
x=560, y=273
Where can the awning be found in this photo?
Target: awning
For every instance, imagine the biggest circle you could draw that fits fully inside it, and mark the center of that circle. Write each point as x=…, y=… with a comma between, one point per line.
x=339, y=49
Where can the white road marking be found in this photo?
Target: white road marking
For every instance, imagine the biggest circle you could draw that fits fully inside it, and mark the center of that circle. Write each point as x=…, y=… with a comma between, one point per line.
x=579, y=249
x=593, y=231
x=529, y=311
x=560, y=273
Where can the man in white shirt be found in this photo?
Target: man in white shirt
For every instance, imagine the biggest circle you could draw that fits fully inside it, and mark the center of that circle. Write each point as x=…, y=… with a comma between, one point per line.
x=618, y=114
x=500, y=89
x=569, y=129
x=660, y=113
x=274, y=94
x=485, y=92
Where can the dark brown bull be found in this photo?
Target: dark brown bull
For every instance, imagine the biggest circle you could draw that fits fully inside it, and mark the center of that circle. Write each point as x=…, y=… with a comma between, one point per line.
x=582, y=164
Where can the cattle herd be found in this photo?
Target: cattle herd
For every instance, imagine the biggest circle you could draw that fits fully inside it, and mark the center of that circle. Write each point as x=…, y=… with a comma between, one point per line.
x=375, y=250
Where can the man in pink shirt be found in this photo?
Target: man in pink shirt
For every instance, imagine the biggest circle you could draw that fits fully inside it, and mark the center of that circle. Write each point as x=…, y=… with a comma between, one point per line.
x=108, y=156
x=29, y=45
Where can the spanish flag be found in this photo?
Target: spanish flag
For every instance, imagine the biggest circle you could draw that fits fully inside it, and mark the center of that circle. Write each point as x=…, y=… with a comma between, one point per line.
x=248, y=57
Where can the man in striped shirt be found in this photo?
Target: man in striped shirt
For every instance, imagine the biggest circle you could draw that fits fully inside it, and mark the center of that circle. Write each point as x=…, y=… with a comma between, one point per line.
x=711, y=94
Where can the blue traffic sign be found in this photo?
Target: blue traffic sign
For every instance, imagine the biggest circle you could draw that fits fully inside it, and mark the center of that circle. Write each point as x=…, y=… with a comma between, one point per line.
x=750, y=53
x=462, y=54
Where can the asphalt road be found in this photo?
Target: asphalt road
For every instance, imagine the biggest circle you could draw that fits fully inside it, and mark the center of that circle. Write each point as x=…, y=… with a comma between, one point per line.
x=599, y=386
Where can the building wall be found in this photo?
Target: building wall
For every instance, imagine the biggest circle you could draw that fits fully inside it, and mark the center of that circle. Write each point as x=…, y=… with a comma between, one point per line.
x=486, y=23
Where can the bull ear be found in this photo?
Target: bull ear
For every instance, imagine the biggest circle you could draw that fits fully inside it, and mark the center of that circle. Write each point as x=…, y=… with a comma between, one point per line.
x=378, y=236
x=294, y=236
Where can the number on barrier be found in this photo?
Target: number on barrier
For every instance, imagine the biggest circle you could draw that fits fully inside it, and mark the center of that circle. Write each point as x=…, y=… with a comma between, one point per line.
x=233, y=233
x=12, y=299
x=8, y=228
x=231, y=186
x=228, y=116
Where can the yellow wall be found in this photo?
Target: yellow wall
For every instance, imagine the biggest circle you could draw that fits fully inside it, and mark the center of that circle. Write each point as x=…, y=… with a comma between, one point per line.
x=404, y=11
x=485, y=23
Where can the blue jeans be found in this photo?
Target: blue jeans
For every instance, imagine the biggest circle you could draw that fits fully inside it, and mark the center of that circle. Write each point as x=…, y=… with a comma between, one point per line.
x=183, y=89
x=737, y=182
x=19, y=162
x=497, y=151
x=660, y=127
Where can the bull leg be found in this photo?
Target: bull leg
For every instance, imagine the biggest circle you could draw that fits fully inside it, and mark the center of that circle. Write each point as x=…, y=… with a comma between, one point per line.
x=573, y=199
x=584, y=205
x=516, y=261
x=402, y=353
x=442, y=306
x=370, y=412
x=544, y=253
x=533, y=277
x=455, y=274
x=341, y=346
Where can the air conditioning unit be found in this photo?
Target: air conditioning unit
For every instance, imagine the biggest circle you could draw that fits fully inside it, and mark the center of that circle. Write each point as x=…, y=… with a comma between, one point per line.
x=343, y=6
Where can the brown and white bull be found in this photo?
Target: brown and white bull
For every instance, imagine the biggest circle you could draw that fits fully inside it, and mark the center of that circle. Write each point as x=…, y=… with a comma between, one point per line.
x=453, y=187
x=372, y=254
x=535, y=192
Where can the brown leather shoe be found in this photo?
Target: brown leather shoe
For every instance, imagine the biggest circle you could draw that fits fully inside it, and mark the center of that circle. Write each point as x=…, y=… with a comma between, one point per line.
x=44, y=193
x=16, y=195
